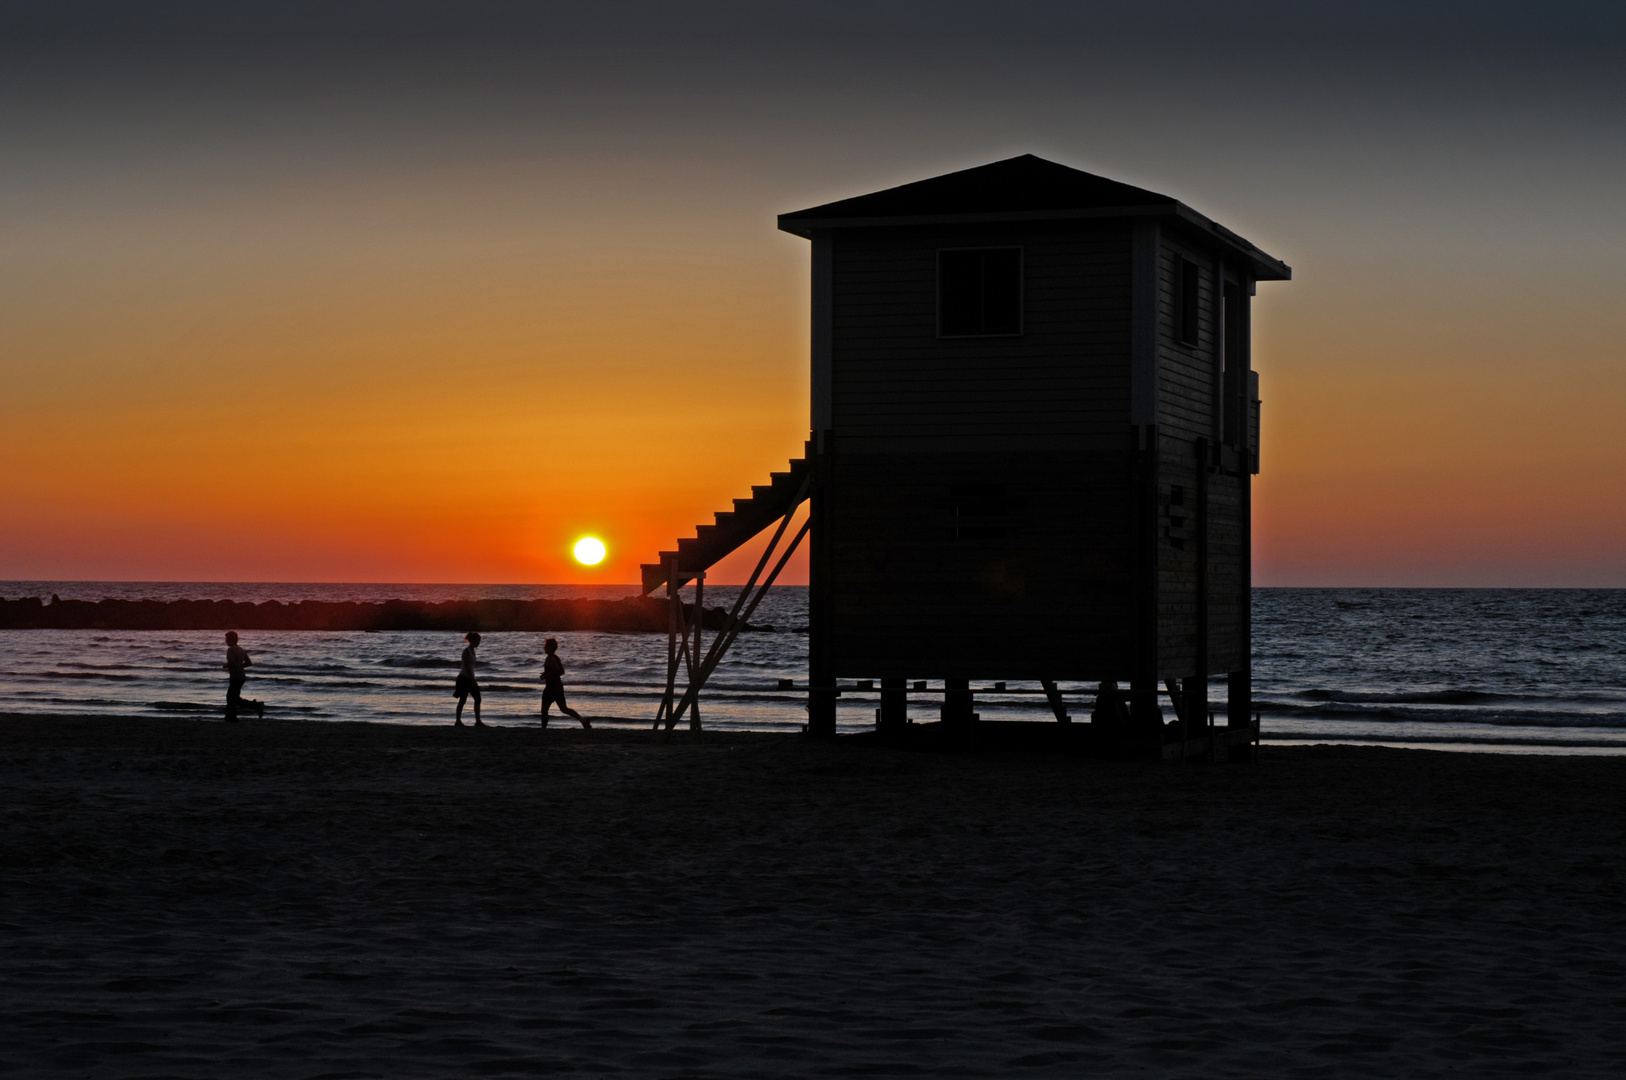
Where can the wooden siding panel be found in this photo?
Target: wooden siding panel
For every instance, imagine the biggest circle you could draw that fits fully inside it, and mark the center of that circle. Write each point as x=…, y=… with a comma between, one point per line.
x=1064, y=376
x=1177, y=568
x=1187, y=374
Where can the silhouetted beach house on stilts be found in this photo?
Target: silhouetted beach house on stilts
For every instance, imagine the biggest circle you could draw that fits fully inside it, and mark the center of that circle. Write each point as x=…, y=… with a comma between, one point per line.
x=1034, y=427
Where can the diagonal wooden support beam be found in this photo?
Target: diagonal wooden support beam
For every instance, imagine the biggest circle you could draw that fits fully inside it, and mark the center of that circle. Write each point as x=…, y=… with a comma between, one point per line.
x=677, y=648
x=674, y=611
x=1177, y=698
x=724, y=640
x=734, y=615
x=1057, y=705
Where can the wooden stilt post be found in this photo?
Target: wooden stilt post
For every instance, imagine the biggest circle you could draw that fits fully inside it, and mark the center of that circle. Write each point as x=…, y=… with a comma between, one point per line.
x=1145, y=716
x=958, y=706
x=674, y=612
x=821, y=668
x=1057, y=705
x=1238, y=696
x=1197, y=685
x=694, y=670
x=1239, y=683
x=683, y=651
x=894, y=715
x=1177, y=698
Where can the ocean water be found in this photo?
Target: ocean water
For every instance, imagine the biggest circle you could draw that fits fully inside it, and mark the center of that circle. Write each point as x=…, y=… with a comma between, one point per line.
x=1527, y=670
x=400, y=677
x=1533, y=669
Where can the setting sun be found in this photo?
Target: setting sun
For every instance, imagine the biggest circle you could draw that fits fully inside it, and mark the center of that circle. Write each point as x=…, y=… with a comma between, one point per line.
x=589, y=551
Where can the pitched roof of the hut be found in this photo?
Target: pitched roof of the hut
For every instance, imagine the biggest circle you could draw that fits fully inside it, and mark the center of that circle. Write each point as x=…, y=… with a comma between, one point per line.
x=1025, y=188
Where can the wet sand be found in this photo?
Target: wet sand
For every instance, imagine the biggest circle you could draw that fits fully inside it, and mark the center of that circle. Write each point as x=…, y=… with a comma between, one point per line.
x=284, y=899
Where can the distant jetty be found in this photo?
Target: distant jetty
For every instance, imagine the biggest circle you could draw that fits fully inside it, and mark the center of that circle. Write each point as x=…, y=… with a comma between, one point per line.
x=634, y=614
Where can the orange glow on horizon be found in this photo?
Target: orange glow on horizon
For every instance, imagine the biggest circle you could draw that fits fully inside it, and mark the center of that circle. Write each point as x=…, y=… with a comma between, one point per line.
x=463, y=405
x=290, y=299
x=447, y=429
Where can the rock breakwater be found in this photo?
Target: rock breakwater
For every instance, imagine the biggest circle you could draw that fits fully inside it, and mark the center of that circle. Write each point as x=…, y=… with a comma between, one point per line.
x=635, y=614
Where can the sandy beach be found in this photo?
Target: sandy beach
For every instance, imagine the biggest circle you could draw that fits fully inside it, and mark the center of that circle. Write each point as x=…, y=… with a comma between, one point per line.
x=291, y=899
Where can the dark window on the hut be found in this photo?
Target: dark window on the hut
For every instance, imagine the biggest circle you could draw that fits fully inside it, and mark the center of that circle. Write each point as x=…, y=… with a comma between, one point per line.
x=1186, y=302
x=979, y=292
x=981, y=511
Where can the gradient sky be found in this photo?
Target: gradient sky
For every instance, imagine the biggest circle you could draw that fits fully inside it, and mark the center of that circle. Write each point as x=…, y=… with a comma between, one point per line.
x=414, y=292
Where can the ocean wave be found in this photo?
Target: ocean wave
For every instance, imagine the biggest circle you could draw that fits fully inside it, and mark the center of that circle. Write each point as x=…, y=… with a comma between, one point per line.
x=1411, y=738
x=426, y=662
x=1393, y=713
x=106, y=703
x=77, y=675
x=100, y=667
x=485, y=688
x=1408, y=697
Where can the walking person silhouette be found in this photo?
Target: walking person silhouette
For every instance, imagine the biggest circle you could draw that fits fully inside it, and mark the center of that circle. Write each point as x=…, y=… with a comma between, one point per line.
x=237, y=664
x=553, y=684
x=466, y=685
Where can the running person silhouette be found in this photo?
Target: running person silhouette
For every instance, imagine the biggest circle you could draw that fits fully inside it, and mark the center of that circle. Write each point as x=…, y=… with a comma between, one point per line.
x=553, y=684
x=237, y=664
x=466, y=685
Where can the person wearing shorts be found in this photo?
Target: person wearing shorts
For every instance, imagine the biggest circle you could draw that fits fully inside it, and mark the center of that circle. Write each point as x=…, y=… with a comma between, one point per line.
x=553, y=684
x=237, y=663
x=466, y=686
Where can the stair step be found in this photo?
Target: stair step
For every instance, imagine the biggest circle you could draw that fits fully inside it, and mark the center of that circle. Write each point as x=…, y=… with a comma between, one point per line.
x=731, y=527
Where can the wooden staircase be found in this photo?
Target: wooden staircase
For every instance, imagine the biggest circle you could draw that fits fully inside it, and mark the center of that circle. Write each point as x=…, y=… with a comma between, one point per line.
x=768, y=503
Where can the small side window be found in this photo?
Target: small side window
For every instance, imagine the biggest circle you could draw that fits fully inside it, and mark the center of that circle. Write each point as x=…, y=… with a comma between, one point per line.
x=979, y=292
x=1186, y=302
